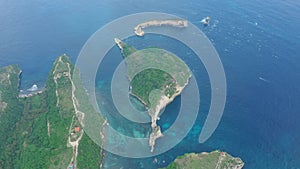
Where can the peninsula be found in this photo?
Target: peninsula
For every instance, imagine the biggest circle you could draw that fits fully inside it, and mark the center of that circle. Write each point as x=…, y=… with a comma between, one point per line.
x=158, y=83
x=138, y=30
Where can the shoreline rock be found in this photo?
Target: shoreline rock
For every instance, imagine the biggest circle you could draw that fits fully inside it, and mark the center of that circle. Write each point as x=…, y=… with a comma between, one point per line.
x=176, y=23
x=164, y=101
x=30, y=94
x=33, y=88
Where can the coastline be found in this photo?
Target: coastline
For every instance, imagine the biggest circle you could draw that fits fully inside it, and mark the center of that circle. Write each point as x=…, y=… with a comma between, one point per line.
x=118, y=42
x=164, y=101
x=30, y=94
x=103, y=142
x=26, y=93
x=141, y=100
x=215, y=159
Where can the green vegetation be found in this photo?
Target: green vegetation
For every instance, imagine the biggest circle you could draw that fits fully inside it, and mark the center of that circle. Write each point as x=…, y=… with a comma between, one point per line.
x=154, y=69
x=158, y=59
x=127, y=49
x=34, y=130
x=213, y=160
x=150, y=79
x=89, y=154
x=93, y=120
x=156, y=78
x=10, y=114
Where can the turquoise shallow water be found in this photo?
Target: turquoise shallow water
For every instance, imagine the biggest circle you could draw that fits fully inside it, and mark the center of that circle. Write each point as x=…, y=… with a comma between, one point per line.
x=255, y=40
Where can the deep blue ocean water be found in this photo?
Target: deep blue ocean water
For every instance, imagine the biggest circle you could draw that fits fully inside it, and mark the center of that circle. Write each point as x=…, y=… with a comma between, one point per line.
x=255, y=40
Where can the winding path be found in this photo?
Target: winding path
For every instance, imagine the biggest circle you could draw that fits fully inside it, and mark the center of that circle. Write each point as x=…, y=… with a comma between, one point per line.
x=78, y=114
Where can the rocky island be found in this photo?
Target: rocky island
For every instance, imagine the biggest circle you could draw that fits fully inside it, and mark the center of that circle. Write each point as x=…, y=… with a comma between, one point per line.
x=157, y=84
x=138, y=30
x=212, y=160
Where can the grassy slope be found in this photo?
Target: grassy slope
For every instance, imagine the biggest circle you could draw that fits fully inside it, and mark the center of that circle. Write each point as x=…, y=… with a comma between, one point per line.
x=89, y=153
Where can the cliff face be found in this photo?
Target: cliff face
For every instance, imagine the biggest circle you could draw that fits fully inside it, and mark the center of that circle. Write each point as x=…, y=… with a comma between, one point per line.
x=35, y=130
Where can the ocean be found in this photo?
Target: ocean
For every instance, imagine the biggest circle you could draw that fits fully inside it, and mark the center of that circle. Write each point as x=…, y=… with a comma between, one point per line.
x=257, y=42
